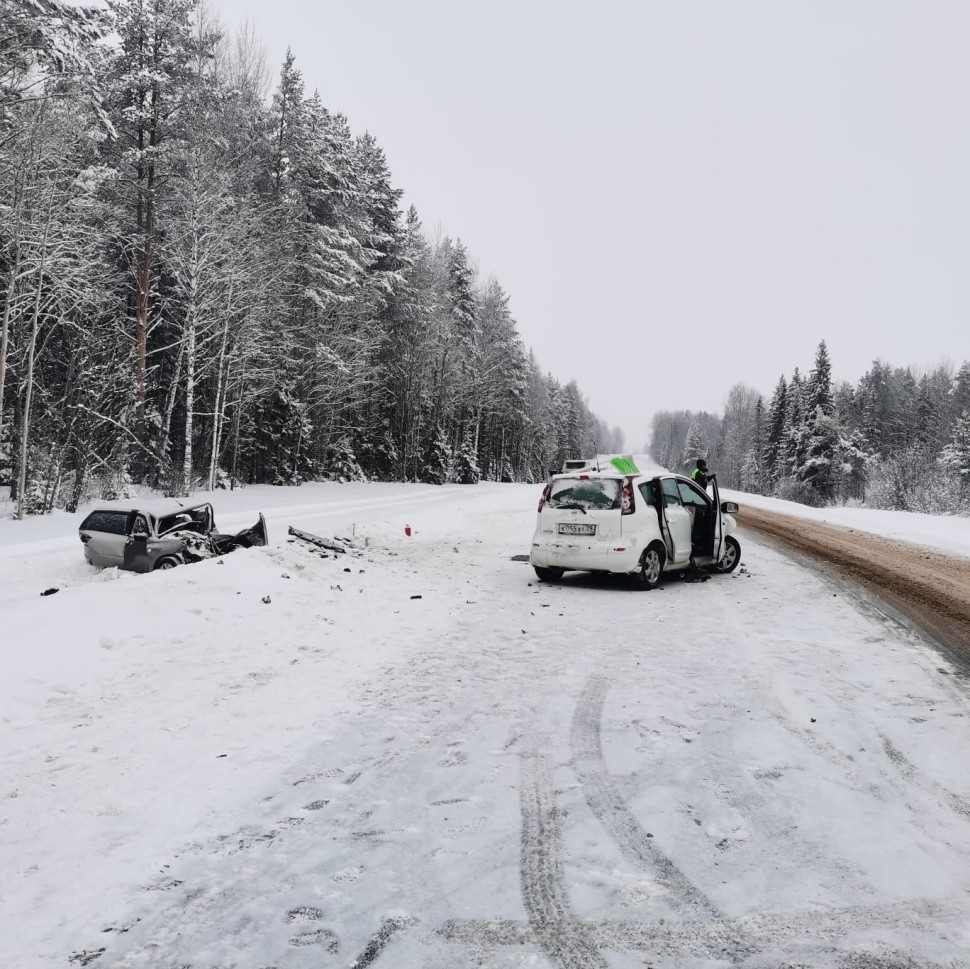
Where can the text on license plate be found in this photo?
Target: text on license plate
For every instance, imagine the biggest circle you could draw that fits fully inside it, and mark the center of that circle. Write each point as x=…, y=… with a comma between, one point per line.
x=576, y=528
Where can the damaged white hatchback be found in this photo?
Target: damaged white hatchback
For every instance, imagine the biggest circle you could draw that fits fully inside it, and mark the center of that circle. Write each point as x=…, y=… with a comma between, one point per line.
x=643, y=525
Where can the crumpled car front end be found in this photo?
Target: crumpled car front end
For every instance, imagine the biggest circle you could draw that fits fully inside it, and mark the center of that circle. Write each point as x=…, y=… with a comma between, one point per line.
x=255, y=536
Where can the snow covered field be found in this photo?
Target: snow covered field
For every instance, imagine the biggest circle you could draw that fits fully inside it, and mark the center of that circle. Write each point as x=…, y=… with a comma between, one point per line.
x=944, y=533
x=418, y=756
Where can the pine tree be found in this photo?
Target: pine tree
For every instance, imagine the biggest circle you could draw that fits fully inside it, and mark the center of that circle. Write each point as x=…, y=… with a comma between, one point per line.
x=956, y=455
x=796, y=432
x=465, y=470
x=342, y=463
x=694, y=446
x=819, y=464
x=289, y=126
x=855, y=458
x=774, y=437
x=753, y=471
x=436, y=459
x=820, y=467
x=961, y=390
x=818, y=393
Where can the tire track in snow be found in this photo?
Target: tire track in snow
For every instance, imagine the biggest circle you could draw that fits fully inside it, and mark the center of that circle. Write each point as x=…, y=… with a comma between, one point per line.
x=566, y=942
x=379, y=940
x=814, y=938
x=607, y=804
x=917, y=778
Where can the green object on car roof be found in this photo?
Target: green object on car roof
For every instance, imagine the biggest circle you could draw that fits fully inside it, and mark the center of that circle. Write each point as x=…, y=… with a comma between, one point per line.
x=625, y=464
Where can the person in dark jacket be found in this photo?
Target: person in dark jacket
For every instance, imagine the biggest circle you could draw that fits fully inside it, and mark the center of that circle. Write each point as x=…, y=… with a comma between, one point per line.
x=700, y=475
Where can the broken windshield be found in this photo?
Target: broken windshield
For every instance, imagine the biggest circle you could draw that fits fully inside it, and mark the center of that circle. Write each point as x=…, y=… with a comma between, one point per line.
x=586, y=493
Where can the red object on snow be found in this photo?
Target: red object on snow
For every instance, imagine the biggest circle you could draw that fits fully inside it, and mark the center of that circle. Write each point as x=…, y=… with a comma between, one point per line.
x=407, y=530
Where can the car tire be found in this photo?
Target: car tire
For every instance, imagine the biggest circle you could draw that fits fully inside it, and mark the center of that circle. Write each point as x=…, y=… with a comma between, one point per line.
x=651, y=566
x=168, y=562
x=548, y=575
x=730, y=556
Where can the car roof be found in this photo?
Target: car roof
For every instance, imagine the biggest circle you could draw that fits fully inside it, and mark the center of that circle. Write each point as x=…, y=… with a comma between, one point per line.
x=157, y=507
x=618, y=476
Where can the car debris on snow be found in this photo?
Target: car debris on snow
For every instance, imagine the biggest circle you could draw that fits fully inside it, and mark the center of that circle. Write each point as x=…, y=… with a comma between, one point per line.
x=311, y=539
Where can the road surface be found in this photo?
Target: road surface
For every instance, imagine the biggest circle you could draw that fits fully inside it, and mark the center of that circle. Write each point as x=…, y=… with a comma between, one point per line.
x=417, y=755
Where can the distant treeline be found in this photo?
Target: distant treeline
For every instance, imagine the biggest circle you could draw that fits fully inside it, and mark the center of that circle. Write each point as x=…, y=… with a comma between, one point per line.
x=200, y=282
x=895, y=440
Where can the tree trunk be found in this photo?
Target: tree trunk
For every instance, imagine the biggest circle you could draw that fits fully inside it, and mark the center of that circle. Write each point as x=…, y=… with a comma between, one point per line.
x=235, y=441
x=5, y=326
x=220, y=408
x=34, y=324
x=191, y=312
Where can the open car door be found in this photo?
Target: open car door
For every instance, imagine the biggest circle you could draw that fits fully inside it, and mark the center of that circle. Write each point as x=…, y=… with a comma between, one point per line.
x=678, y=523
x=718, y=524
x=140, y=533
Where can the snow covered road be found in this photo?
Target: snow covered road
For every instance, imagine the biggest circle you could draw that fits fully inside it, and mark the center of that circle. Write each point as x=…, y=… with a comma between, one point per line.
x=758, y=770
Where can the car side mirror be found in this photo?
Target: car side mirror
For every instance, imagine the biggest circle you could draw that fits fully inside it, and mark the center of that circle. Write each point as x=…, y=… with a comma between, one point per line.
x=730, y=507
x=140, y=536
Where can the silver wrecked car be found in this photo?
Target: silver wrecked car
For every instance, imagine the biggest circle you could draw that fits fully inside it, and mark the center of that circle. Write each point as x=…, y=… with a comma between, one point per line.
x=140, y=541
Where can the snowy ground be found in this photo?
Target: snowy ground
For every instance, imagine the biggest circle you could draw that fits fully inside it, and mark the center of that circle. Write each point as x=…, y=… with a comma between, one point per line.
x=944, y=533
x=757, y=770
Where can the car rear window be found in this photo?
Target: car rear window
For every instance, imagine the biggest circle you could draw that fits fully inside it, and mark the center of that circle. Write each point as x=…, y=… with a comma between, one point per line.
x=603, y=493
x=112, y=522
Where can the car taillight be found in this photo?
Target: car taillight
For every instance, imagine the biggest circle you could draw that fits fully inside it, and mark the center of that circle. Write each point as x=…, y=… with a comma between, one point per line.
x=627, y=501
x=545, y=494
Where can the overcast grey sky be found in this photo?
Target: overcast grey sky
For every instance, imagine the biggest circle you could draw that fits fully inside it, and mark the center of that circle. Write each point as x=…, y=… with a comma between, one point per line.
x=676, y=195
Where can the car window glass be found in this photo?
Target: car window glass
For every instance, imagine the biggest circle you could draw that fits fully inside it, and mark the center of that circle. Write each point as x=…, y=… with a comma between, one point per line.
x=140, y=526
x=599, y=493
x=171, y=522
x=671, y=493
x=112, y=522
x=690, y=495
x=649, y=491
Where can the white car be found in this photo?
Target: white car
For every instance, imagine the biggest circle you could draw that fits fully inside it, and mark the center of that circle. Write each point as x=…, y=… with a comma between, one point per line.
x=643, y=525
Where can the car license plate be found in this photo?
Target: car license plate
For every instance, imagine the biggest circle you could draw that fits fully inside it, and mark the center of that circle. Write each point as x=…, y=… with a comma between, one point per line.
x=576, y=528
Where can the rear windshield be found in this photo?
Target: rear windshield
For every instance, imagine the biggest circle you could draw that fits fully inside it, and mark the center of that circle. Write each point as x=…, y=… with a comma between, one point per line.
x=112, y=522
x=587, y=493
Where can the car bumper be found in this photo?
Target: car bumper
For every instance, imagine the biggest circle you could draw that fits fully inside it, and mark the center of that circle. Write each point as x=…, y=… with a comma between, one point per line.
x=585, y=558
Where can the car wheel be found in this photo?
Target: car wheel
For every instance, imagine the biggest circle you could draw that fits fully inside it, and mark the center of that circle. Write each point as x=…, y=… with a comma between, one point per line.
x=730, y=556
x=166, y=563
x=651, y=567
x=548, y=575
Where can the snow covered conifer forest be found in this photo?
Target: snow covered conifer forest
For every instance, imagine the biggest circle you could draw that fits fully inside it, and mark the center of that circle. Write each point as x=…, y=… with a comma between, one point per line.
x=896, y=440
x=206, y=277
